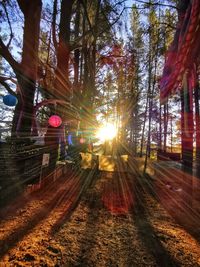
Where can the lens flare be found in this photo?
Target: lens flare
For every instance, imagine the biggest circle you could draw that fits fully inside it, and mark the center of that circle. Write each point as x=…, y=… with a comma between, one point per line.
x=106, y=132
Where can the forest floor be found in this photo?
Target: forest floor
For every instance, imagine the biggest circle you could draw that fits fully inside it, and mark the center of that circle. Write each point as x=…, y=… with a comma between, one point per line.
x=105, y=219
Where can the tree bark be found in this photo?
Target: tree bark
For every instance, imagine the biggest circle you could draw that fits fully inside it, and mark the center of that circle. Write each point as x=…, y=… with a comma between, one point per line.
x=62, y=83
x=77, y=50
x=165, y=124
x=27, y=74
x=197, y=122
x=187, y=127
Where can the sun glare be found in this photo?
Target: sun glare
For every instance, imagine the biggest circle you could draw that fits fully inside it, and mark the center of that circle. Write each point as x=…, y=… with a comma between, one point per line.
x=106, y=132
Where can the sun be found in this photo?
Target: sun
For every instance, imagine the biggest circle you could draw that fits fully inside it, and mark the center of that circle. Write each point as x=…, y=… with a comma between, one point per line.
x=106, y=132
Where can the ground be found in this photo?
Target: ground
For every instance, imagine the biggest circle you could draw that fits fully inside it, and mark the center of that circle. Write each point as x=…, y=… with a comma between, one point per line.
x=96, y=219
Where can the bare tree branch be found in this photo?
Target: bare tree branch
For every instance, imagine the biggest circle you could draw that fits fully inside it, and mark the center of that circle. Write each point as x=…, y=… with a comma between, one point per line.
x=114, y=22
x=9, y=23
x=7, y=87
x=54, y=25
x=156, y=4
x=8, y=57
x=168, y=25
x=119, y=3
x=86, y=14
x=5, y=78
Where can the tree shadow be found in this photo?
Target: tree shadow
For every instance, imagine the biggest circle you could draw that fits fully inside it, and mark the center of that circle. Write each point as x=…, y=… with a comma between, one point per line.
x=178, y=191
x=93, y=202
x=87, y=178
x=61, y=196
x=114, y=208
x=147, y=233
x=22, y=201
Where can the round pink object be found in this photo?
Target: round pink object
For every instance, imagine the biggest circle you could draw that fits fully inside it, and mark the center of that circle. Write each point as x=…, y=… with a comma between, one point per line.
x=82, y=140
x=55, y=121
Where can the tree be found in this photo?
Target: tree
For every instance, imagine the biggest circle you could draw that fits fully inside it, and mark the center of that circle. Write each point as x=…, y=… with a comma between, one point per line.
x=62, y=83
x=26, y=70
x=197, y=117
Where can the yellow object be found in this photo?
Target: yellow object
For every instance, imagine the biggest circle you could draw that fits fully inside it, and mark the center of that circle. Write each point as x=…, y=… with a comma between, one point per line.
x=88, y=160
x=110, y=163
x=106, y=163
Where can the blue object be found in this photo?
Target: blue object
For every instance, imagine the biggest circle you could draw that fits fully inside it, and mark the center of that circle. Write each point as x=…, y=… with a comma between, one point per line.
x=70, y=140
x=10, y=100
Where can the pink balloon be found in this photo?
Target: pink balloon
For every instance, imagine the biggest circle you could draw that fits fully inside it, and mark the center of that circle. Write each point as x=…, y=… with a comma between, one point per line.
x=82, y=140
x=55, y=121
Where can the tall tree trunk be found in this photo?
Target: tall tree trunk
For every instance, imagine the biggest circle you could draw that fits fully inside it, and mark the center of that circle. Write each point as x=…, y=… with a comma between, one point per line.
x=77, y=51
x=62, y=83
x=143, y=127
x=27, y=74
x=171, y=128
x=150, y=95
x=160, y=128
x=197, y=122
x=165, y=124
x=151, y=89
x=89, y=55
x=187, y=127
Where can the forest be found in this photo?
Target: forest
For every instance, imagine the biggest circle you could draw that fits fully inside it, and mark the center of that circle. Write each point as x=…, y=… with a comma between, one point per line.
x=95, y=91
x=86, y=63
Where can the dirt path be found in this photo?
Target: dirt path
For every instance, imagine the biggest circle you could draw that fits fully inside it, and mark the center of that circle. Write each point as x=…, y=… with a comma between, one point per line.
x=116, y=223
